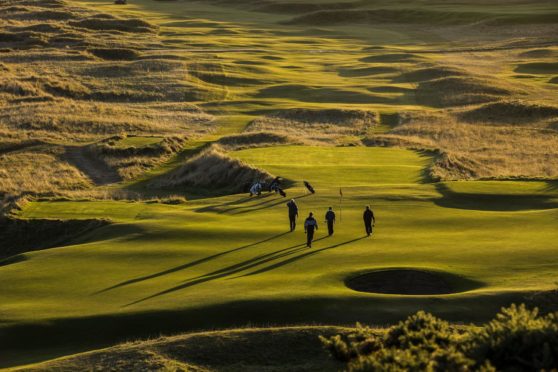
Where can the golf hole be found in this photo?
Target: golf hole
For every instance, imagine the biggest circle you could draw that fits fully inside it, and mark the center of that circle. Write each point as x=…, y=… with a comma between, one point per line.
x=410, y=282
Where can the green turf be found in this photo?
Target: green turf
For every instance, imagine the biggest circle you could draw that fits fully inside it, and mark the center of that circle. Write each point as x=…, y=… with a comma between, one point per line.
x=228, y=261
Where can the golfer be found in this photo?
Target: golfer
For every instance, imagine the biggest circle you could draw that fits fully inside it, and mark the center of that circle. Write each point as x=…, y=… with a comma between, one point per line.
x=293, y=213
x=330, y=220
x=369, y=220
x=309, y=226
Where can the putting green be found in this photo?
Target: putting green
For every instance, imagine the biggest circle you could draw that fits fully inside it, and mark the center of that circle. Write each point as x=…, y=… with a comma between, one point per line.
x=229, y=260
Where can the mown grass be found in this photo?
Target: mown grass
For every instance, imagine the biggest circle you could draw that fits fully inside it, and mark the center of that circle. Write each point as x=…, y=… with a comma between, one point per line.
x=229, y=261
x=458, y=80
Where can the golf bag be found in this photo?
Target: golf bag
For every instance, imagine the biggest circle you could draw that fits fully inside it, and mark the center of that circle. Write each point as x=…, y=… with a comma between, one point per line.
x=309, y=187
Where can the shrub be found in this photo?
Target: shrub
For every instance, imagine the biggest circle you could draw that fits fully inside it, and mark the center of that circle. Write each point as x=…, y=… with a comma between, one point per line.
x=361, y=342
x=420, y=330
x=517, y=339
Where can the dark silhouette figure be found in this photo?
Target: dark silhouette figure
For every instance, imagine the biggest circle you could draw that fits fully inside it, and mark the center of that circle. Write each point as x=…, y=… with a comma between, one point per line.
x=309, y=187
x=330, y=219
x=293, y=213
x=369, y=220
x=275, y=185
x=309, y=226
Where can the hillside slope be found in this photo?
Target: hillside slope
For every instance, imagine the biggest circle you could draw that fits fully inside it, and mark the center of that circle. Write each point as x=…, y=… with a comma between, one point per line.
x=250, y=349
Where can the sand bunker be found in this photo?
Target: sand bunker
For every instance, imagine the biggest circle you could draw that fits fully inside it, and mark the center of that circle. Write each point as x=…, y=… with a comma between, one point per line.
x=410, y=282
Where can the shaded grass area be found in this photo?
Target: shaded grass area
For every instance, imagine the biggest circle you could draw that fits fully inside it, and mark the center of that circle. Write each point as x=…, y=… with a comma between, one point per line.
x=253, y=349
x=20, y=236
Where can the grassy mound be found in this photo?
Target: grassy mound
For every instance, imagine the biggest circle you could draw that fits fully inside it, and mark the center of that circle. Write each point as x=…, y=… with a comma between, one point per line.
x=320, y=94
x=538, y=68
x=458, y=90
x=429, y=73
x=514, y=112
x=19, y=236
x=114, y=24
x=375, y=16
x=302, y=7
x=213, y=170
x=314, y=124
x=45, y=15
x=367, y=71
x=133, y=155
x=250, y=349
x=114, y=53
x=538, y=53
x=256, y=139
x=392, y=57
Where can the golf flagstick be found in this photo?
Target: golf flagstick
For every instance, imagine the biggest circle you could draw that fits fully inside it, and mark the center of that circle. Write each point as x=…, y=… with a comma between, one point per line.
x=340, y=204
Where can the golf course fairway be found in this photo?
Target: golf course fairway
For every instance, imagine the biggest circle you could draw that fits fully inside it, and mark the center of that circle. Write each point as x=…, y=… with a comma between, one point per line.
x=230, y=261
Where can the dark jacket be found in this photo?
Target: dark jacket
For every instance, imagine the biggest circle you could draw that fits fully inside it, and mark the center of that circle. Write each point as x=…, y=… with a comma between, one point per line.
x=310, y=224
x=330, y=216
x=368, y=216
x=293, y=208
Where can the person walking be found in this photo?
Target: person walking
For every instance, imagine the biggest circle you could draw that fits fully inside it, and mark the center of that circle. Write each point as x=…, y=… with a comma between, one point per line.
x=369, y=220
x=293, y=213
x=256, y=189
x=330, y=219
x=309, y=226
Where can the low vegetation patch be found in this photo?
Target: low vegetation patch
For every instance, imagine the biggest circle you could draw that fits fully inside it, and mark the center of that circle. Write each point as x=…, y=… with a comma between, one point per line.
x=114, y=53
x=257, y=139
x=109, y=23
x=429, y=73
x=131, y=161
x=328, y=125
x=538, y=68
x=458, y=91
x=375, y=16
x=20, y=173
x=513, y=112
x=475, y=150
x=517, y=338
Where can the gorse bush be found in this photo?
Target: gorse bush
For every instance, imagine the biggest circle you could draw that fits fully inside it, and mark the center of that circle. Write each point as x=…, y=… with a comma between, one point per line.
x=517, y=339
x=362, y=341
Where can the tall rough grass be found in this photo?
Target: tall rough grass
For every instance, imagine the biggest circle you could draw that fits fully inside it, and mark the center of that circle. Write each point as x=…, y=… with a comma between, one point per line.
x=212, y=169
x=478, y=150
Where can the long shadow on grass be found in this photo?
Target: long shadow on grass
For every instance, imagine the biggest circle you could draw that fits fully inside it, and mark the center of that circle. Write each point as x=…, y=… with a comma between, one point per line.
x=247, y=208
x=249, y=264
x=299, y=257
x=188, y=265
x=551, y=185
x=268, y=204
x=242, y=200
x=492, y=202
